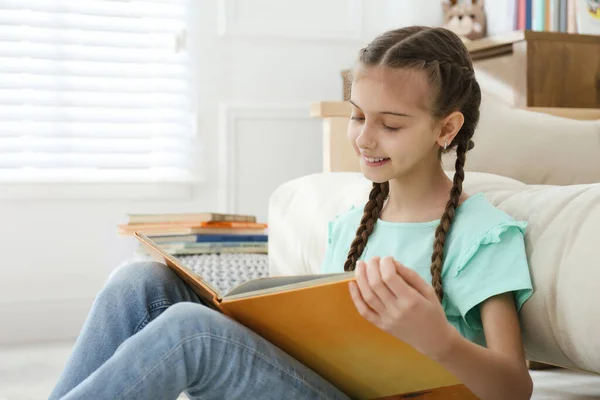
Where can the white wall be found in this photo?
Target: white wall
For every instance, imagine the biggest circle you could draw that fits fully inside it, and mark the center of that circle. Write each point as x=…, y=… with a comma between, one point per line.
x=258, y=71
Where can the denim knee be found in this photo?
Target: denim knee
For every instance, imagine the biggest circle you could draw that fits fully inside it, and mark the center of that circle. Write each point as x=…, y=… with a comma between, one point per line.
x=139, y=274
x=193, y=318
x=132, y=279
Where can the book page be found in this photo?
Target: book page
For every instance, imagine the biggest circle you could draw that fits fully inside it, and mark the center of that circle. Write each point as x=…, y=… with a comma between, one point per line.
x=281, y=283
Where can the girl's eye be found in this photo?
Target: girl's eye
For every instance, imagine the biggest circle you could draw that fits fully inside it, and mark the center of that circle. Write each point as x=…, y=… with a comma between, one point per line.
x=391, y=128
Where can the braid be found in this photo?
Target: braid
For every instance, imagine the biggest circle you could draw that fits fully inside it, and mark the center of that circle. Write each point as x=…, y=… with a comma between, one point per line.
x=463, y=70
x=437, y=258
x=372, y=211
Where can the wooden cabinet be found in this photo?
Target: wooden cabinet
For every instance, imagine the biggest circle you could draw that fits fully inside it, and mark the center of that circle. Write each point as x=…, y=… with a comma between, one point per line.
x=543, y=69
x=557, y=70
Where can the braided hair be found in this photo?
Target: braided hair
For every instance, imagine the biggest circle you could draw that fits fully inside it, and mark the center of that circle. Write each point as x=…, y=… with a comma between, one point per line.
x=446, y=61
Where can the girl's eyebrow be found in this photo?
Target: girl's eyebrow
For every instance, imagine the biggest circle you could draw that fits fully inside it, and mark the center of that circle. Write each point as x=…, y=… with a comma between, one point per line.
x=382, y=112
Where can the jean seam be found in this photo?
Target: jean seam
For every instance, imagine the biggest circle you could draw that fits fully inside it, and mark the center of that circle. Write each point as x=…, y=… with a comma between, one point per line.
x=212, y=336
x=155, y=305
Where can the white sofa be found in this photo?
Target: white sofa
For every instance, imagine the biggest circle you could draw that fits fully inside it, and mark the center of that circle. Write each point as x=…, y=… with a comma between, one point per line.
x=536, y=167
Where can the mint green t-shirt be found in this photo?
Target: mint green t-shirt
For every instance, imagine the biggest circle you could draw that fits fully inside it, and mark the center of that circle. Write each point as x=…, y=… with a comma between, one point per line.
x=484, y=255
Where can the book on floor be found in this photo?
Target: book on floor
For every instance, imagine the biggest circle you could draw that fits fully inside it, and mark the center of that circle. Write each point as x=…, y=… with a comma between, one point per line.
x=213, y=245
x=209, y=248
x=185, y=229
x=208, y=238
x=313, y=318
x=189, y=217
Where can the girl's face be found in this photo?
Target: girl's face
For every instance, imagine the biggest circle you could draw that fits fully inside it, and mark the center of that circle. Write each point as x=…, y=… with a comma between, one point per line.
x=391, y=127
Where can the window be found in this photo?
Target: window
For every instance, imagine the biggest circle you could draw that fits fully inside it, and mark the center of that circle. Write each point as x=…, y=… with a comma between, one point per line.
x=96, y=91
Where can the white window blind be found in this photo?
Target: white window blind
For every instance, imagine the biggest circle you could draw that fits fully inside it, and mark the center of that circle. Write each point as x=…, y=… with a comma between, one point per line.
x=96, y=90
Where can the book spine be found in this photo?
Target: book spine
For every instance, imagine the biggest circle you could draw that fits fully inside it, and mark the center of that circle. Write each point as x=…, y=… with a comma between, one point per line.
x=521, y=15
x=178, y=250
x=528, y=14
x=563, y=16
x=213, y=245
x=182, y=228
x=135, y=219
x=571, y=16
x=224, y=250
x=234, y=225
x=538, y=15
x=512, y=13
x=231, y=238
x=555, y=15
x=233, y=218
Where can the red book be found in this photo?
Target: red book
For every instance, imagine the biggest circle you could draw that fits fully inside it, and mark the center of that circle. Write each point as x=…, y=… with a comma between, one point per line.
x=521, y=15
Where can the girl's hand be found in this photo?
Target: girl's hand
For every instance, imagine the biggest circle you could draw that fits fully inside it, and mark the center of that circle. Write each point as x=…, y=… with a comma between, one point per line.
x=397, y=300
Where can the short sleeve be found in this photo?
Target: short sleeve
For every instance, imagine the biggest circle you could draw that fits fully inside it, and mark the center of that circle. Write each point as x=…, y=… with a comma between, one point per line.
x=496, y=263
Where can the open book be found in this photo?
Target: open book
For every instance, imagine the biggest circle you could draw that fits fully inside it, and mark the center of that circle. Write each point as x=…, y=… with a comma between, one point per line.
x=313, y=318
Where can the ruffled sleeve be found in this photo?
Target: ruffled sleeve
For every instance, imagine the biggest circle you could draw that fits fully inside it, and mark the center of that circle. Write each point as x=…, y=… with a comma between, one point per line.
x=494, y=263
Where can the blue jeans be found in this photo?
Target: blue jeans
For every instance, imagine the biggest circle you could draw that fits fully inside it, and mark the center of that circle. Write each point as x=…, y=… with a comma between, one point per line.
x=149, y=336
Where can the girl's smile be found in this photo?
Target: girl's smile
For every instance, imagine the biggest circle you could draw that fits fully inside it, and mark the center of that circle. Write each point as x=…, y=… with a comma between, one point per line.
x=374, y=161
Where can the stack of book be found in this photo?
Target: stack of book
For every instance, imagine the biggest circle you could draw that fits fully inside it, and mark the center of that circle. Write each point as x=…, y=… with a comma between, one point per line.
x=200, y=233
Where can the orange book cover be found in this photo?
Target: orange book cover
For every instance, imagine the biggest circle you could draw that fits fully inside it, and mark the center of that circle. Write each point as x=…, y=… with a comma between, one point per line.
x=313, y=318
x=186, y=229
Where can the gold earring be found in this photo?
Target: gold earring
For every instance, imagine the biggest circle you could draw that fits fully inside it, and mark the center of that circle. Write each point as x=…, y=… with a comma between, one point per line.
x=445, y=145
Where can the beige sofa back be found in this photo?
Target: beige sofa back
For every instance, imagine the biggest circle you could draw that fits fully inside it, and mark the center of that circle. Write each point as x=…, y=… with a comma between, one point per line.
x=561, y=321
x=533, y=147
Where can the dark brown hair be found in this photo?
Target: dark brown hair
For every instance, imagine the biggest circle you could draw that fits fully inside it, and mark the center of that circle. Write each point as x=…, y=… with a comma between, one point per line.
x=446, y=61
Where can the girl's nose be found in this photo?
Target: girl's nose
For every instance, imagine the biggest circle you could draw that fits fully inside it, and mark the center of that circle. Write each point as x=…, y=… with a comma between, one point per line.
x=366, y=139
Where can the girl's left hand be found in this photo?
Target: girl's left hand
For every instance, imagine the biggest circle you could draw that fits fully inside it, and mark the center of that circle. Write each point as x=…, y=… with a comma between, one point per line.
x=397, y=300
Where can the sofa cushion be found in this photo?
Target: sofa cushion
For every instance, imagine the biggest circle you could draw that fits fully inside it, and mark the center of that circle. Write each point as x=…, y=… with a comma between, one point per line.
x=560, y=321
x=533, y=147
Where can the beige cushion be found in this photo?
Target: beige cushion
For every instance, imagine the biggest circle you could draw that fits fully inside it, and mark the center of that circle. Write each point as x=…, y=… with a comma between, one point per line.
x=533, y=147
x=561, y=321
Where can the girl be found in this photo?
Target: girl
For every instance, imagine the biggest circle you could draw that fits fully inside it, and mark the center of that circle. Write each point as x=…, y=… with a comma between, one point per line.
x=414, y=96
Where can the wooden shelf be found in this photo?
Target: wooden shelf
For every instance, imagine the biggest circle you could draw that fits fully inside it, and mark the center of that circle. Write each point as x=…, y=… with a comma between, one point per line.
x=494, y=46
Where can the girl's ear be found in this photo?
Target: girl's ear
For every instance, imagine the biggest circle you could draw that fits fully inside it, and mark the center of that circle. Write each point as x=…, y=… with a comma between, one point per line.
x=450, y=126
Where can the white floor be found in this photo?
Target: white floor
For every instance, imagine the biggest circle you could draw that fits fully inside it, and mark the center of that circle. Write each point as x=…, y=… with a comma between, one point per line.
x=29, y=373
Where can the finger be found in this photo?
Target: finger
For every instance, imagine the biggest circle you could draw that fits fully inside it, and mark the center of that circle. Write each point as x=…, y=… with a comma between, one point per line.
x=390, y=274
x=367, y=293
x=414, y=280
x=379, y=284
x=363, y=309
